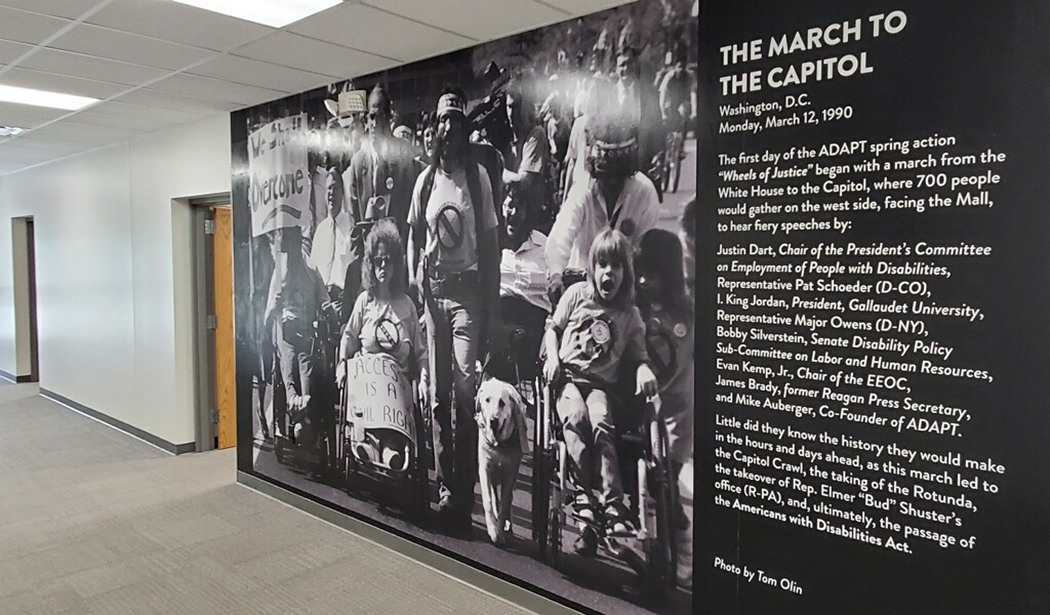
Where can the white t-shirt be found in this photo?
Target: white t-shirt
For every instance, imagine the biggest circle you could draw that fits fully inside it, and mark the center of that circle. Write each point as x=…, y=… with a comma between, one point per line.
x=451, y=245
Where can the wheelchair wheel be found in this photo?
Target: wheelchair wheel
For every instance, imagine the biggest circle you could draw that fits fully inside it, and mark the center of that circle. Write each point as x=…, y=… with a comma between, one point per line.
x=556, y=514
x=419, y=480
x=656, y=509
x=540, y=475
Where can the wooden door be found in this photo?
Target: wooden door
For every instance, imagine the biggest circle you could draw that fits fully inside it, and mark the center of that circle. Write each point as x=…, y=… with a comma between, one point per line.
x=225, y=385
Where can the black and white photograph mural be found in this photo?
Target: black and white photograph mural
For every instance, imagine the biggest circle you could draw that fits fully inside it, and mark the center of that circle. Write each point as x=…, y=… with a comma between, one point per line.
x=465, y=303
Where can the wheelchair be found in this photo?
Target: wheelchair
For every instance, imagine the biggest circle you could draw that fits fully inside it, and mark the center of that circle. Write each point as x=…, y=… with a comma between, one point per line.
x=648, y=480
x=303, y=438
x=381, y=435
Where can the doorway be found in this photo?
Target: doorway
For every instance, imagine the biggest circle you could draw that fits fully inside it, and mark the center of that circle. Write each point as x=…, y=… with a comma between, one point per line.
x=216, y=378
x=23, y=243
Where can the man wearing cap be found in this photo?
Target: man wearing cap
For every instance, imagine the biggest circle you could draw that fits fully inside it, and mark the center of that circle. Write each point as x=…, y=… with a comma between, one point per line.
x=454, y=261
x=381, y=173
x=615, y=195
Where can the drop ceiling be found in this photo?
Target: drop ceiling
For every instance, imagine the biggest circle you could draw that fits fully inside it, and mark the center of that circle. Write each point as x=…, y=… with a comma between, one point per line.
x=156, y=64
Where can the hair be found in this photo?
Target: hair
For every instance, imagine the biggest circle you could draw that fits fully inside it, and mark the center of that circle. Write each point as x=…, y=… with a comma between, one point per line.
x=612, y=147
x=660, y=252
x=611, y=245
x=689, y=219
x=384, y=233
x=386, y=105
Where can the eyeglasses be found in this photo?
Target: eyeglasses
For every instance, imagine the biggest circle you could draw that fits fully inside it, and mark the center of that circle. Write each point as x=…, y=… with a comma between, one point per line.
x=381, y=261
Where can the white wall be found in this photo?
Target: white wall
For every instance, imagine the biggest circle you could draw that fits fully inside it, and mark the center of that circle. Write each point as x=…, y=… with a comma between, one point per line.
x=112, y=239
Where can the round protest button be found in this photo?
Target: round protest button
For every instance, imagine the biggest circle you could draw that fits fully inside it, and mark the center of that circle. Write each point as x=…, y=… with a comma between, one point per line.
x=601, y=332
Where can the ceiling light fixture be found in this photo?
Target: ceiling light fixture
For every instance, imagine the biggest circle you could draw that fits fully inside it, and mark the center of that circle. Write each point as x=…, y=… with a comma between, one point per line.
x=41, y=98
x=10, y=131
x=275, y=13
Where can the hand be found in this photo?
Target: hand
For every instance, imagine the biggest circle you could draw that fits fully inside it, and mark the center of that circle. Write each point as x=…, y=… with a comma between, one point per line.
x=646, y=380
x=340, y=374
x=555, y=286
x=551, y=369
x=424, y=385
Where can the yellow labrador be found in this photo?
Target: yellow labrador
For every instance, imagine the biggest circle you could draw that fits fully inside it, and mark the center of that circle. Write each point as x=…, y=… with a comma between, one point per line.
x=503, y=439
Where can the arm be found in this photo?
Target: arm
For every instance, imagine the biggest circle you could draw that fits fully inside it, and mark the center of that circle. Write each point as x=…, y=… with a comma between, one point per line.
x=350, y=342
x=645, y=379
x=563, y=233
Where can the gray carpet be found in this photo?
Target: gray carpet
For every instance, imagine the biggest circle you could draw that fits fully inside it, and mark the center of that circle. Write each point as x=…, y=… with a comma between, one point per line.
x=94, y=521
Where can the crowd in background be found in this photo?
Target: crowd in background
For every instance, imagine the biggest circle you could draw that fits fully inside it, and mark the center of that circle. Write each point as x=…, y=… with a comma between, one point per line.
x=454, y=235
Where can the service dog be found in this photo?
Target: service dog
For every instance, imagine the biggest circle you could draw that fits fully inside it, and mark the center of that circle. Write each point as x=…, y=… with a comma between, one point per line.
x=504, y=438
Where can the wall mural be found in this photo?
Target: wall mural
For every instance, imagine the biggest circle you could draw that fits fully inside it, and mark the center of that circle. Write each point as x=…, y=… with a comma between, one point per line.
x=465, y=305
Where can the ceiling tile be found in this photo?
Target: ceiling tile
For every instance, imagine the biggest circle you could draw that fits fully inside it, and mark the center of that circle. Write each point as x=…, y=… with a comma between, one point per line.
x=214, y=89
x=116, y=45
x=295, y=51
x=73, y=131
x=70, y=9
x=23, y=27
x=370, y=29
x=261, y=74
x=90, y=67
x=584, y=7
x=11, y=51
x=163, y=117
x=167, y=100
x=180, y=23
x=25, y=116
x=62, y=132
x=124, y=122
x=51, y=82
x=483, y=20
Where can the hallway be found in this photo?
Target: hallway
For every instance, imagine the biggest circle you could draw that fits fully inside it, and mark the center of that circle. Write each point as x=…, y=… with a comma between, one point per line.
x=94, y=521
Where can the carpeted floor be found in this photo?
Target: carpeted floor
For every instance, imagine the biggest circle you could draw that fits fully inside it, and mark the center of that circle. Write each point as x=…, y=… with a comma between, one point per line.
x=94, y=521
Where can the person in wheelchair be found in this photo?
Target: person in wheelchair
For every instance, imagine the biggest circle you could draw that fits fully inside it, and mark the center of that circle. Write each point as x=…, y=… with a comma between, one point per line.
x=595, y=328
x=524, y=303
x=292, y=311
x=384, y=319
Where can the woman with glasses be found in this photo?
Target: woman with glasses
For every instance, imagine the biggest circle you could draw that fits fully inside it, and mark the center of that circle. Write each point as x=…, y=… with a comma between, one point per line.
x=384, y=319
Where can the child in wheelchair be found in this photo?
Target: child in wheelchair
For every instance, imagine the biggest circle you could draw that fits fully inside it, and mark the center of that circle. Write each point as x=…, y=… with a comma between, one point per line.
x=595, y=328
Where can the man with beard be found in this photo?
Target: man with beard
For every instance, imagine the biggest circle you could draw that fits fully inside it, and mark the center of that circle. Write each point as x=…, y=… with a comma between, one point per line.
x=453, y=259
x=614, y=195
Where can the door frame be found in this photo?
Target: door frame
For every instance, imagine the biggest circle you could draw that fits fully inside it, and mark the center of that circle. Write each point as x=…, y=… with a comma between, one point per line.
x=203, y=220
x=23, y=258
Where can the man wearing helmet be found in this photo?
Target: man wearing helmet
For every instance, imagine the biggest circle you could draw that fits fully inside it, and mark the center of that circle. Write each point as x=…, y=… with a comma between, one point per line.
x=615, y=195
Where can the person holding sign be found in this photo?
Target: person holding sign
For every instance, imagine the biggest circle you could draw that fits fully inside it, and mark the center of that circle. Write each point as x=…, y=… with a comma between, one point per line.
x=454, y=231
x=384, y=319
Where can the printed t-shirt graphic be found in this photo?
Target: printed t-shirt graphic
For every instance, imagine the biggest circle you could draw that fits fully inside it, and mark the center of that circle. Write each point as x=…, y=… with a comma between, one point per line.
x=390, y=328
x=451, y=245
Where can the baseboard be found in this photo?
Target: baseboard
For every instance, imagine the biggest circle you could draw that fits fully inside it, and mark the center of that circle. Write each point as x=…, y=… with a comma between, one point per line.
x=455, y=569
x=13, y=378
x=174, y=449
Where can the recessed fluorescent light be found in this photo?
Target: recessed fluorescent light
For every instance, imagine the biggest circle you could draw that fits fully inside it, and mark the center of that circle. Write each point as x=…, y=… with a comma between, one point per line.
x=40, y=98
x=276, y=13
x=10, y=131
